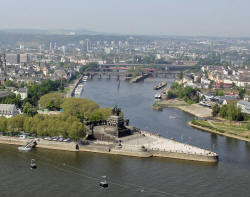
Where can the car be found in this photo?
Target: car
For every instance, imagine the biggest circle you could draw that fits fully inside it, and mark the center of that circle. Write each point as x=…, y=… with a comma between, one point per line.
x=67, y=140
x=60, y=139
x=54, y=138
x=47, y=138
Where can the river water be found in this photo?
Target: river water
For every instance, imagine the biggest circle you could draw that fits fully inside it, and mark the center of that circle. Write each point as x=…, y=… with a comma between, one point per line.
x=62, y=173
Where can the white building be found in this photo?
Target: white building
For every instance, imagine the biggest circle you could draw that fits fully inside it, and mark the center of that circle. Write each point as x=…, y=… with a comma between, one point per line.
x=8, y=110
x=23, y=93
x=245, y=106
x=205, y=81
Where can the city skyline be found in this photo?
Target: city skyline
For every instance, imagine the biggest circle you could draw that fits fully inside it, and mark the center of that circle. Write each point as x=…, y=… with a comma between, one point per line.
x=193, y=18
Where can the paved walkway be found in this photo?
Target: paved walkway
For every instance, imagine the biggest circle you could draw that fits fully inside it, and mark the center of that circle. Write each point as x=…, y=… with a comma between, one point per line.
x=154, y=142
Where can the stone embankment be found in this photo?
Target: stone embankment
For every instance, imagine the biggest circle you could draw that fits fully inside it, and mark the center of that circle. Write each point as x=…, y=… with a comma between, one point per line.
x=140, y=144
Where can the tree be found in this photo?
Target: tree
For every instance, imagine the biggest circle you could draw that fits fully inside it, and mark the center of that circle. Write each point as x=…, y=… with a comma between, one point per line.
x=76, y=130
x=29, y=109
x=12, y=99
x=215, y=110
x=3, y=124
x=171, y=94
x=232, y=112
x=242, y=92
x=81, y=108
x=10, y=83
x=52, y=101
x=15, y=124
x=101, y=114
x=181, y=75
x=219, y=92
x=38, y=90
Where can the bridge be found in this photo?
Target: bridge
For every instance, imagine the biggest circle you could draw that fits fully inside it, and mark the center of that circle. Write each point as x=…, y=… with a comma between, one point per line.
x=125, y=73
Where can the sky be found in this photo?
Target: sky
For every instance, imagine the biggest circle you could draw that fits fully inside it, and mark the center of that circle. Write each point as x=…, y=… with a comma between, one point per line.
x=147, y=17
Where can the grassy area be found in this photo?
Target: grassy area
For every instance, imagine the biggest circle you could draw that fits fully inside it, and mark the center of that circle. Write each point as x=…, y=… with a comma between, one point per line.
x=172, y=103
x=156, y=106
x=241, y=129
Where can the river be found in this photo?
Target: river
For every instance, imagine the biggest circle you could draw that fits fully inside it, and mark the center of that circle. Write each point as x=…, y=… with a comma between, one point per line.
x=62, y=173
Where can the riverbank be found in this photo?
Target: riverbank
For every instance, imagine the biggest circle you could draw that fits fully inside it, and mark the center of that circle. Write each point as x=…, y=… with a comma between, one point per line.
x=226, y=134
x=141, y=144
x=193, y=109
x=71, y=146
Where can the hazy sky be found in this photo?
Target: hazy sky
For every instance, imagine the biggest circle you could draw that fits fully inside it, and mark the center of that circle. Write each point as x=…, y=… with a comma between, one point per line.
x=157, y=17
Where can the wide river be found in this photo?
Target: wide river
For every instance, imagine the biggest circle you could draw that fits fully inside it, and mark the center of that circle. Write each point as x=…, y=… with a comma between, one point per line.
x=62, y=173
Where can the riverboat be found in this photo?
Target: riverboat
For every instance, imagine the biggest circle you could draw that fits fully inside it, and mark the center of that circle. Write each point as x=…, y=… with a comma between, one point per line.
x=160, y=85
x=157, y=96
x=85, y=78
x=79, y=89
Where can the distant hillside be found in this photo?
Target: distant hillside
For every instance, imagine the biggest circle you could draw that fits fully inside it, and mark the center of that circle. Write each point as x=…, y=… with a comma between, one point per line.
x=50, y=32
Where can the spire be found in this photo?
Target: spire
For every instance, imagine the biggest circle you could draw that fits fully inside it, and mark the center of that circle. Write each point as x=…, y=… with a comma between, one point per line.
x=4, y=64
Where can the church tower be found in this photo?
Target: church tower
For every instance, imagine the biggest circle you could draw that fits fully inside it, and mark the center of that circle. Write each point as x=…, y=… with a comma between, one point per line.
x=4, y=64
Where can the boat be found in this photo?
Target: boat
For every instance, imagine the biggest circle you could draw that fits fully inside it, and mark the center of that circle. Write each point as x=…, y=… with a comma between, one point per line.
x=79, y=89
x=28, y=146
x=33, y=164
x=157, y=96
x=172, y=117
x=104, y=183
x=85, y=78
x=24, y=148
x=160, y=85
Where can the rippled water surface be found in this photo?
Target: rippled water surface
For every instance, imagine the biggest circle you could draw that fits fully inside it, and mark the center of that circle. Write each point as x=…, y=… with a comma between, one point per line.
x=62, y=173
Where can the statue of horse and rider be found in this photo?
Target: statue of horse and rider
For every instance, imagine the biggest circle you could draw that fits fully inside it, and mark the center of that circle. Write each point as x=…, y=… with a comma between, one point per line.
x=116, y=111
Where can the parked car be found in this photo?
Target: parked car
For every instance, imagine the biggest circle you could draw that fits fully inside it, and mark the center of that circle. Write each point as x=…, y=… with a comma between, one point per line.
x=55, y=138
x=48, y=138
x=67, y=140
x=60, y=139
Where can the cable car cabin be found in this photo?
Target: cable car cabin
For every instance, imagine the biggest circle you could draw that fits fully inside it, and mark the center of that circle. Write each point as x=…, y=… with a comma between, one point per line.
x=104, y=184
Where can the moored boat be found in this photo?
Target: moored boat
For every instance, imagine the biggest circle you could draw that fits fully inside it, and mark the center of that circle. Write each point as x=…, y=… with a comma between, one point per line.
x=160, y=85
x=157, y=96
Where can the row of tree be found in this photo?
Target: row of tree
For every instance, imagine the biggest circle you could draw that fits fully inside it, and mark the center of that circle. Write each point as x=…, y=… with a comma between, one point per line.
x=83, y=109
x=37, y=90
x=230, y=112
x=69, y=123
x=189, y=94
x=44, y=125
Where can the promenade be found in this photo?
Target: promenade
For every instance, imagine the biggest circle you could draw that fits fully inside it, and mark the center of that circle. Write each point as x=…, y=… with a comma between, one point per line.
x=157, y=143
x=140, y=144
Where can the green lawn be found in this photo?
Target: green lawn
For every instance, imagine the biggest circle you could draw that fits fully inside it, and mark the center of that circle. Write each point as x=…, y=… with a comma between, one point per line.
x=236, y=128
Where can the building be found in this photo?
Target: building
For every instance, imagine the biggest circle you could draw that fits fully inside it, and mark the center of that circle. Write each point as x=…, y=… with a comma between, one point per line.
x=8, y=110
x=23, y=92
x=23, y=58
x=12, y=59
x=245, y=106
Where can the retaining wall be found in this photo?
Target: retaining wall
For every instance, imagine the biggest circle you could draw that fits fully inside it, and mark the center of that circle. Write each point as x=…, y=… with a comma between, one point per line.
x=185, y=156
